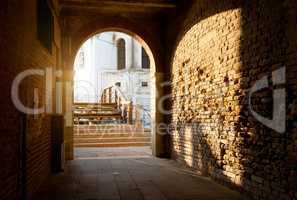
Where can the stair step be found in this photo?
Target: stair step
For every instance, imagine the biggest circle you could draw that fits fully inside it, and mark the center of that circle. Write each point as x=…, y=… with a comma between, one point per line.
x=95, y=121
x=94, y=108
x=111, y=140
x=96, y=114
x=112, y=127
x=104, y=125
x=113, y=144
x=93, y=113
x=79, y=110
x=111, y=135
x=95, y=104
x=108, y=130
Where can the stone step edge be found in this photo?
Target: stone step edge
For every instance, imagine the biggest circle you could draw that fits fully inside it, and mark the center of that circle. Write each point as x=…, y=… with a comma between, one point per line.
x=114, y=144
x=109, y=133
x=108, y=140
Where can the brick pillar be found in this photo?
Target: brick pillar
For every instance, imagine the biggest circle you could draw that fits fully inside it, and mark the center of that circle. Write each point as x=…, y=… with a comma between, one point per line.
x=158, y=137
x=68, y=114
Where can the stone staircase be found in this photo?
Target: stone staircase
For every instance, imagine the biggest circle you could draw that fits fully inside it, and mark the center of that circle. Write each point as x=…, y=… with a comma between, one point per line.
x=110, y=135
x=101, y=125
x=95, y=113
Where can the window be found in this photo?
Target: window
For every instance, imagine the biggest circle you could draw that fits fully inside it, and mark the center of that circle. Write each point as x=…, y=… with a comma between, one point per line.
x=45, y=25
x=121, y=47
x=81, y=60
x=144, y=84
x=145, y=60
x=118, y=84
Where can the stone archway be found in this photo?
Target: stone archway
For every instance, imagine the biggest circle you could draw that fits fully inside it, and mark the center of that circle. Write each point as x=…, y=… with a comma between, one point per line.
x=72, y=45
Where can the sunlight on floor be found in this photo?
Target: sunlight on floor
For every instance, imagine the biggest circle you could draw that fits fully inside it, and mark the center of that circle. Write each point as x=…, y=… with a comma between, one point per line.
x=119, y=152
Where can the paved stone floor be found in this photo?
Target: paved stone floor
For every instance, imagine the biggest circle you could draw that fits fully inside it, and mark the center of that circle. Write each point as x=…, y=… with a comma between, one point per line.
x=134, y=177
x=119, y=152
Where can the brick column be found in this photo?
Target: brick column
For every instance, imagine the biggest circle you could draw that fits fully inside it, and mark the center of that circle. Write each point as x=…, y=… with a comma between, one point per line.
x=68, y=114
x=158, y=138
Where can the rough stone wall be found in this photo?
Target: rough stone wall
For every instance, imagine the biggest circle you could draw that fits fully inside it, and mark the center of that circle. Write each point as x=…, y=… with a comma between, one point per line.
x=222, y=50
x=21, y=50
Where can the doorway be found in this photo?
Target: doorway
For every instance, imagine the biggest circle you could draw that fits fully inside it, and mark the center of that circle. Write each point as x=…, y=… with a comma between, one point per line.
x=112, y=97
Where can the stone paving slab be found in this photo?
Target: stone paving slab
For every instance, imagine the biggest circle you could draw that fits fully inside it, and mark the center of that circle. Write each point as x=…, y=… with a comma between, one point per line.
x=144, y=178
x=113, y=152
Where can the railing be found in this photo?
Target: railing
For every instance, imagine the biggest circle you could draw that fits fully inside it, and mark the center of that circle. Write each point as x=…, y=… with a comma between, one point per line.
x=114, y=95
x=132, y=114
x=142, y=116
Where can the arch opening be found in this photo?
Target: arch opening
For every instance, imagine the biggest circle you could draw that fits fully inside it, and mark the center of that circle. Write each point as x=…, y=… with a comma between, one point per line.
x=111, y=63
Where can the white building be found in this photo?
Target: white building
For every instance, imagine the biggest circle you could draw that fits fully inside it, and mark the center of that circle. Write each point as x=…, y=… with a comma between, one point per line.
x=112, y=58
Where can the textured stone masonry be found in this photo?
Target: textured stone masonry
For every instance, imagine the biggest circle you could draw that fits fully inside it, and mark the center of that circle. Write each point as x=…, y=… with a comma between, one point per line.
x=216, y=61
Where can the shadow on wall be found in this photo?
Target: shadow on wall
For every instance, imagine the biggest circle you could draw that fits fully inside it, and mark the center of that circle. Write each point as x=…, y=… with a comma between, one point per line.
x=265, y=47
x=222, y=54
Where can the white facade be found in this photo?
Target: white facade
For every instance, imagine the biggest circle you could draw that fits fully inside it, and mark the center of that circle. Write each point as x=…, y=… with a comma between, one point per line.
x=97, y=67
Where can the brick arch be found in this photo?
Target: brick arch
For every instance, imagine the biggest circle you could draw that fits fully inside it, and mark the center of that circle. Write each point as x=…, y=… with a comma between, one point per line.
x=149, y=41
x=76, y=35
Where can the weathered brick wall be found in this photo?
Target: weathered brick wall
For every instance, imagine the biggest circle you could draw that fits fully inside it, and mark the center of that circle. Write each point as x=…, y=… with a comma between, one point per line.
x=223, y=48
x=9, y=127
x=21, y=50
